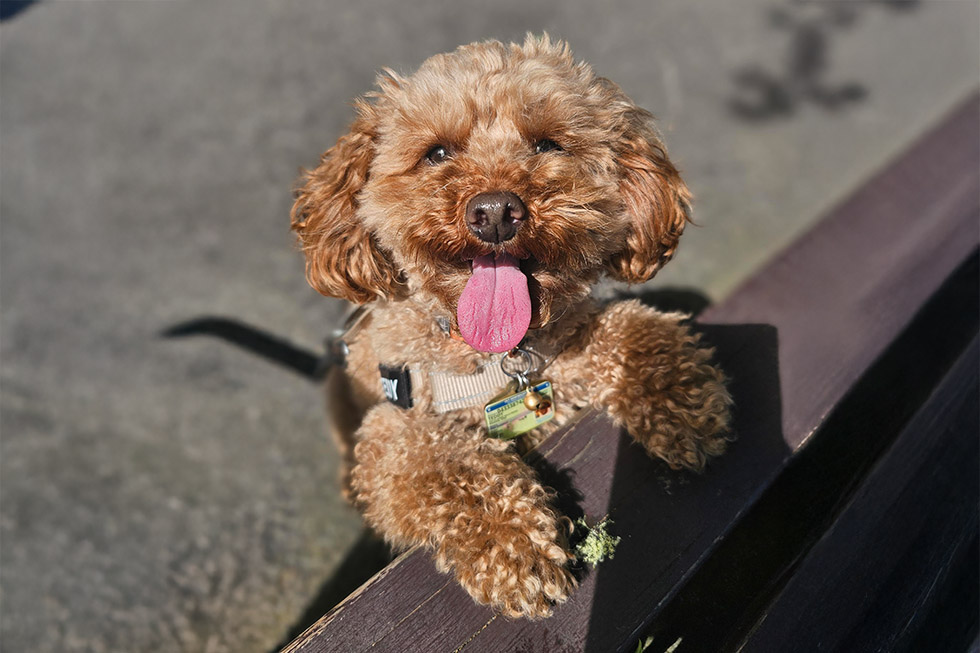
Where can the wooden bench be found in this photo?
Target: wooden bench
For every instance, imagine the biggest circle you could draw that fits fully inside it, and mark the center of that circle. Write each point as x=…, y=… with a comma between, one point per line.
x=846, y=513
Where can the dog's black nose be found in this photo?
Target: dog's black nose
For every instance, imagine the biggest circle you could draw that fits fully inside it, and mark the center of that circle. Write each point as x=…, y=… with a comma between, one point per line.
x=494, y=217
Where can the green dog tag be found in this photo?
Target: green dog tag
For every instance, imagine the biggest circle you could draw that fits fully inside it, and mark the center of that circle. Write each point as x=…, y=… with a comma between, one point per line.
x=513, y=415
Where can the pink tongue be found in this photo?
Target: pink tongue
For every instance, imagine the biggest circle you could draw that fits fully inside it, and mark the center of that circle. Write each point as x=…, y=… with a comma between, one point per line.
x=494, y=310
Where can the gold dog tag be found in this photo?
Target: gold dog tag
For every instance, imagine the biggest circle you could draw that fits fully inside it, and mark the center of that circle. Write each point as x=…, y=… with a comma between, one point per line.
x=515, y=414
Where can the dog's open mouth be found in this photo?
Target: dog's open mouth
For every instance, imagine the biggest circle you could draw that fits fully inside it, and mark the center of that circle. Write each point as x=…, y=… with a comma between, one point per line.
x=494, y=310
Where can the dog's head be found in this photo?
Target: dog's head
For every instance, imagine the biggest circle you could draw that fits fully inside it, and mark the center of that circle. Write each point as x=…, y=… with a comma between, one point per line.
x=496, y=183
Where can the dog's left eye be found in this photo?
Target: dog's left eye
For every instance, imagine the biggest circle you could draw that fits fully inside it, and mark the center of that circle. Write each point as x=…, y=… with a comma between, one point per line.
x=437, y=154
x=547, y=145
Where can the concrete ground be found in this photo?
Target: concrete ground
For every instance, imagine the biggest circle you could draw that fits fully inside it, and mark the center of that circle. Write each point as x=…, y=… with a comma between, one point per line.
x=161, y=494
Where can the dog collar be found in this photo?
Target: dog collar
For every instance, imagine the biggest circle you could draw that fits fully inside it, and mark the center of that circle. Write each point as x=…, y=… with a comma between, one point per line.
x=402, y=384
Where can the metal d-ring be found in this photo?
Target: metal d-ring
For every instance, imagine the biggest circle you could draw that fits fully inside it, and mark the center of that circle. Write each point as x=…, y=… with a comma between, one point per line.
x=518, y=375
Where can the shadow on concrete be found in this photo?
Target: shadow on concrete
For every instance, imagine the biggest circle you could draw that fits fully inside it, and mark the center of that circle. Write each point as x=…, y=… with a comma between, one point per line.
x=369, y=554
x=366, y=557
x=801, y=78
x=672, y=300
x=256, y=341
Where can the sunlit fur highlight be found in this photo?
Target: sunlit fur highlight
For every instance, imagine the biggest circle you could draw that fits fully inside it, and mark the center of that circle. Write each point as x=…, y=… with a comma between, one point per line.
x=380, y=223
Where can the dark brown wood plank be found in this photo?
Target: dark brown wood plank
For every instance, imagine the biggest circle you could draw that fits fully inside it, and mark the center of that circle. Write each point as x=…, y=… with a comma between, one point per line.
x=842, y=292
x=723, y=597
x=833, y=301
x=872, y=580
x=376, y=608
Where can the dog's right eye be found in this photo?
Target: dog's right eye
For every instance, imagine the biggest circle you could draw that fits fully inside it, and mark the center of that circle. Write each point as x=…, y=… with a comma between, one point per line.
x=437, y=155
x=547, y=145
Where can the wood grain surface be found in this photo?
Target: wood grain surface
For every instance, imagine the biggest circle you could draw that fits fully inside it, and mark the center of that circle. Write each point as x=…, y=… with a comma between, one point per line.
x=878, y=575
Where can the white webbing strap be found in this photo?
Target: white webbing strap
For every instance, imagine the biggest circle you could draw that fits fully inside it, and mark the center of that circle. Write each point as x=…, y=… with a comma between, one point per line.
x=455, y=391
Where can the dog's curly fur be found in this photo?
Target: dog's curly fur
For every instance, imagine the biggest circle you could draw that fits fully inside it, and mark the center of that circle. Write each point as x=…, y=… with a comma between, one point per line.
x=381, y=223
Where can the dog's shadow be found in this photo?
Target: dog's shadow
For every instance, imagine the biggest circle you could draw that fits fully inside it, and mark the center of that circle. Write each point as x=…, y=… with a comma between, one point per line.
x=366, y=557
x=308, y=364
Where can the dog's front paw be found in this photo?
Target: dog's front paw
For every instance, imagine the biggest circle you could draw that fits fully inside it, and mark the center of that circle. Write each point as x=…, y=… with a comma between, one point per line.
x=684, y=424
x=664, y=388
x=519, y=573
x=508, y=552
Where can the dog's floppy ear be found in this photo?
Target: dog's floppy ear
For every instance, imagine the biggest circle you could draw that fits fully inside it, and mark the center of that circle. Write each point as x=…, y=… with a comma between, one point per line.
x=342, y=258
x=657, y=202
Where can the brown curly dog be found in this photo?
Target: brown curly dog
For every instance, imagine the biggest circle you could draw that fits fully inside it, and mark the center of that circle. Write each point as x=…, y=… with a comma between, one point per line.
x=472, y=206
